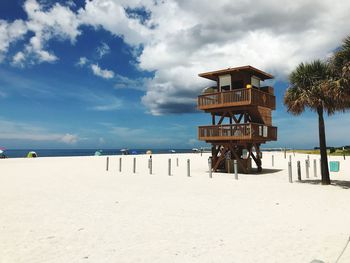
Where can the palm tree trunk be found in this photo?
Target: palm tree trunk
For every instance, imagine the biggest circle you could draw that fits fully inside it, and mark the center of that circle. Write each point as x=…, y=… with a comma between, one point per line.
x=323, y=147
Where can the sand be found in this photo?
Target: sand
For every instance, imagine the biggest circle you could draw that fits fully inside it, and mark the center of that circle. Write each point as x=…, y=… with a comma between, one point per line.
x=70, y=209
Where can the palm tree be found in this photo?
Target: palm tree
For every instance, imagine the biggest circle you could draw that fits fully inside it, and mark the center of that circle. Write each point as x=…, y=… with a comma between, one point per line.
x=310, y=88
x=340, y=64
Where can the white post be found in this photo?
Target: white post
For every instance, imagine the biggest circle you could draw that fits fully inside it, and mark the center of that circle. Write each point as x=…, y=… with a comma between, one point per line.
x=210, y=167
x=150, y=165
x=315, y=169
x=307, y=168
x=290, y=172
x=299, y=171
x=134, y=165
x=169, y=167
x=235, y=169
x=188, y=168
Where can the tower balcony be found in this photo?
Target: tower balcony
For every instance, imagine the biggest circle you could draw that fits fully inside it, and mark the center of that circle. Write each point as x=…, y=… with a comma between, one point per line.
x=238, y=132
x=238, y=97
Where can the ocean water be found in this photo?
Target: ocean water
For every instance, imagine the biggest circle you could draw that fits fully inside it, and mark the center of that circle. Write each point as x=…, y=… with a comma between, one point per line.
x=82, y=152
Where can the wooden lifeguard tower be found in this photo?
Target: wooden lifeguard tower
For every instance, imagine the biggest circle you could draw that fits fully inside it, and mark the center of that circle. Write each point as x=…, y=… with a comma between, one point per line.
x=243, y=108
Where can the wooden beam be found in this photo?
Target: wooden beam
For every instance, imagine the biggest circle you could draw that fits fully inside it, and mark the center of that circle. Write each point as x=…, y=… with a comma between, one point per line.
x=256, y=158
x=239, y=161
x=222, y=118
x=240, y=118
x=220, y=158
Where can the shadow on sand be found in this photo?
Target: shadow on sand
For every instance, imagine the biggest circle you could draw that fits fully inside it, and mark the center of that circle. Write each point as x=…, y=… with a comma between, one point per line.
x=265, y=171
x=338, y=183
x=255, y=171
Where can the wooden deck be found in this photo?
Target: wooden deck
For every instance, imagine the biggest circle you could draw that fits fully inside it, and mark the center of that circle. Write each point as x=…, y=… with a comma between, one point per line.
x=238, y=132
x=239, y=97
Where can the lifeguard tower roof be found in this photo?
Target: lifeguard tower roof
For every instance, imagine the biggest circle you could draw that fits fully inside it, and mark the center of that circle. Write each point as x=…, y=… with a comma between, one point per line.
x=213, y=75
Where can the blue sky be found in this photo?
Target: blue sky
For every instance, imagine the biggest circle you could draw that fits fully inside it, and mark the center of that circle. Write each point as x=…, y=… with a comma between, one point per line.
x=112, y=74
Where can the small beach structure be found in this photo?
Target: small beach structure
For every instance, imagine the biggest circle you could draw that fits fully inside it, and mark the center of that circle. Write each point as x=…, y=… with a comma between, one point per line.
x=124, y=151
x=98, y=153
x=240, y=108
x=32, y=154
x=2, y=155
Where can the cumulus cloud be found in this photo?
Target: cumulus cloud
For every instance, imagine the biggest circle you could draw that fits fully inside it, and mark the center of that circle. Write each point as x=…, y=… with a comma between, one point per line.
x=273, y=35
x=112, y=16
x=103, y=73
x=10, y=33
x=178, y=39
x=18, y=59
x=58, y=22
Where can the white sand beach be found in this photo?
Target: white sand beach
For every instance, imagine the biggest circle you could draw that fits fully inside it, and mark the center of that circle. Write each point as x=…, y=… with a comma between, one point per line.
x=70, y=209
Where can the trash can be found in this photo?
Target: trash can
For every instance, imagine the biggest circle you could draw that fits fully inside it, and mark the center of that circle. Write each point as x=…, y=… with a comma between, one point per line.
x=334, y=166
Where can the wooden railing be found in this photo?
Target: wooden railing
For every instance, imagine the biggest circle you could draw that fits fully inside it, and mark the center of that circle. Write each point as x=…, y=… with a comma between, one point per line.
x=247, y=131
x=239, y=97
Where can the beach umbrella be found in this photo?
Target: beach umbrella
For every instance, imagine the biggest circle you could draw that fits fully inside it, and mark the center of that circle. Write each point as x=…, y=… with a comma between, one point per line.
x=32, y=154
x=149, y=152
x=98, y=153
x=2, y=155
x=133, y=152
x=125, y=151
x=195, y=150
x=172, y=151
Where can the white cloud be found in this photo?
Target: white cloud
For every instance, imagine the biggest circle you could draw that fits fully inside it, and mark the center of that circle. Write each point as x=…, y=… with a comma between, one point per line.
x=69, y=138
x=273, y=35
x=82, y=61
x=103, y=50
x=18, y=59
x=103, y=73
x=98, y=101
x=57, y=22
x=178, y=39
x=25, y=131
x=9, y=33
x=114, y=105
x=123, y=82
x=111, y=16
